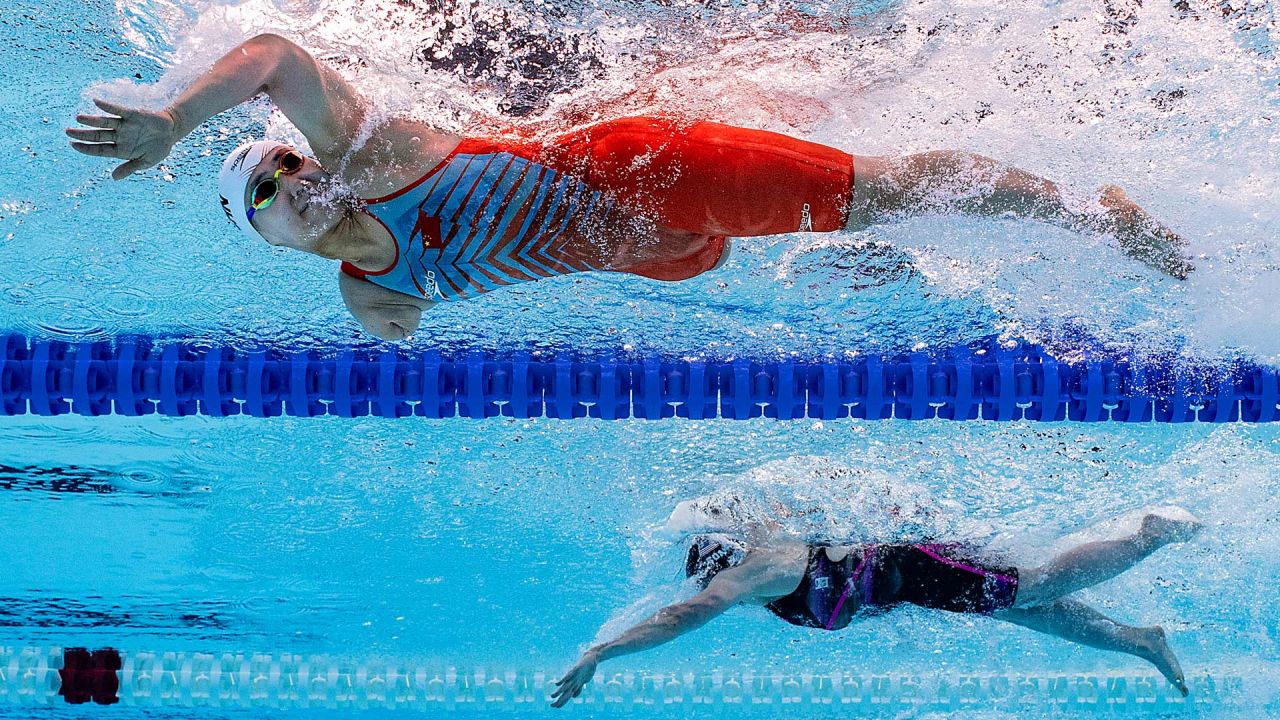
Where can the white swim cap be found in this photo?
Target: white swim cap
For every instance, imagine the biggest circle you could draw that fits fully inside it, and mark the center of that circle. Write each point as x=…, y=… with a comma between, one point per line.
x=706, y=514
x=234, y=180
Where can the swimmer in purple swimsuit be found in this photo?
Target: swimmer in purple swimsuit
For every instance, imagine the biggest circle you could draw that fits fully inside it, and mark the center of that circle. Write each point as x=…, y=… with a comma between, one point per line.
x=828, y=587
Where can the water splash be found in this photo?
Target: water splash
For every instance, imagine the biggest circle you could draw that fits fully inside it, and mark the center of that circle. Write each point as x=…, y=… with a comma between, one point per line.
x=821, y=501
x=1177, y=103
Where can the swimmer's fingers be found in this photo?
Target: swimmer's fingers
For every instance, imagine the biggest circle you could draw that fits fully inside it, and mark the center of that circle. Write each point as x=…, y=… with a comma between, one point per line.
x=141, y=138
x=112, y=151
x=99, y=121
x=570, y=686
x=96, y=149
x=112, y=108
x=93, y=136
x=561, y=696
x=564, y=694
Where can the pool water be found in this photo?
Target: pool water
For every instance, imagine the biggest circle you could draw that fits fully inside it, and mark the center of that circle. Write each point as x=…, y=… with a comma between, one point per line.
x=503, y=545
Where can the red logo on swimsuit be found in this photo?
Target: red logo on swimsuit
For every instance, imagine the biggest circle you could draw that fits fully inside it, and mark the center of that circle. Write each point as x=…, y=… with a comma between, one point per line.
x=428, y=229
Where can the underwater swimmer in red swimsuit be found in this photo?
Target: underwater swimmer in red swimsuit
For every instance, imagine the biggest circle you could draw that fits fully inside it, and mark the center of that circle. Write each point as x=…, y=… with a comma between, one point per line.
x=418, y=216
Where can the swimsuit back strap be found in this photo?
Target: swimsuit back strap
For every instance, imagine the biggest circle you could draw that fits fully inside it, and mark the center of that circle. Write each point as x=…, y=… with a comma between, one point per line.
x=932, y=551
x=858, y=574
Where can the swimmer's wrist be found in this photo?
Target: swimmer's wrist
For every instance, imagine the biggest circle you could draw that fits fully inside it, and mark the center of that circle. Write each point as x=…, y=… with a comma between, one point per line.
x=176, y=116
x=599, y=652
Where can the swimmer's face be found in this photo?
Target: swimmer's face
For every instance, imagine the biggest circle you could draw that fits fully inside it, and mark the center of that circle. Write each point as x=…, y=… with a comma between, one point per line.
x=304, y=208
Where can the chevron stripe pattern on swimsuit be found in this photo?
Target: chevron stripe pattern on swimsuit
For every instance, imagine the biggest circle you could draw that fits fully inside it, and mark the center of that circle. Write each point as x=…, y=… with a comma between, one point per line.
x=482, y=221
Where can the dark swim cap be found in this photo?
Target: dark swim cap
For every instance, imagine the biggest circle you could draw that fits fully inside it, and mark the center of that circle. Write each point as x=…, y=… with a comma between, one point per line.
x=709, y=555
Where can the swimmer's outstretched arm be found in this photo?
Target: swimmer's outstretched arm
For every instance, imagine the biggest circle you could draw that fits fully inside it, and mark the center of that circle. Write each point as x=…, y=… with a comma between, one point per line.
x=756, y=576
x=894, y=188
x=315, y=98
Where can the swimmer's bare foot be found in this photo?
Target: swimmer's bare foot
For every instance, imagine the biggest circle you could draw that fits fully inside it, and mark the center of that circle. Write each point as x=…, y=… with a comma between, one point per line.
x=1141, y=237
x=1155, y=650
x=1170, y=525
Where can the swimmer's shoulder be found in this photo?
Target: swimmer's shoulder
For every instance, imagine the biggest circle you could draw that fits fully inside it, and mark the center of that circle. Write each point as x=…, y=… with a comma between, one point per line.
x=396, y=154
x=777, y=570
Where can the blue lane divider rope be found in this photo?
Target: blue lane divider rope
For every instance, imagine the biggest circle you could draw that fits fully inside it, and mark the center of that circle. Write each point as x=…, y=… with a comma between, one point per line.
x=987, y=381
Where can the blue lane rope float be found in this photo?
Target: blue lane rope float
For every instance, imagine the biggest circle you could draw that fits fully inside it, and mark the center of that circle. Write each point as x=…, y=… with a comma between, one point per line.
x=989, y=381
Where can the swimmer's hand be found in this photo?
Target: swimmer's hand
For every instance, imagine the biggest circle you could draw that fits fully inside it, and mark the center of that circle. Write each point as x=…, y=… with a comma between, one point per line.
x=1141, y=236
x=143, y=138
x=570, y=686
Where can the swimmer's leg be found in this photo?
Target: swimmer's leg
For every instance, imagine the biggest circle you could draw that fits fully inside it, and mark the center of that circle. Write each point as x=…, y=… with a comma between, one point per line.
x=1074, y=621
x=892, y=188
x=1092, y=563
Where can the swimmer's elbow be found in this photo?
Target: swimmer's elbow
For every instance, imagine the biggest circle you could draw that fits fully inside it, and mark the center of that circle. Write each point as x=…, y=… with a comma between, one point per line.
x=276, y=52
x=389, y=331
x=269, y=42
x=696, y=611
x=385, y=328
x=681, y=618
x=382, y=313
